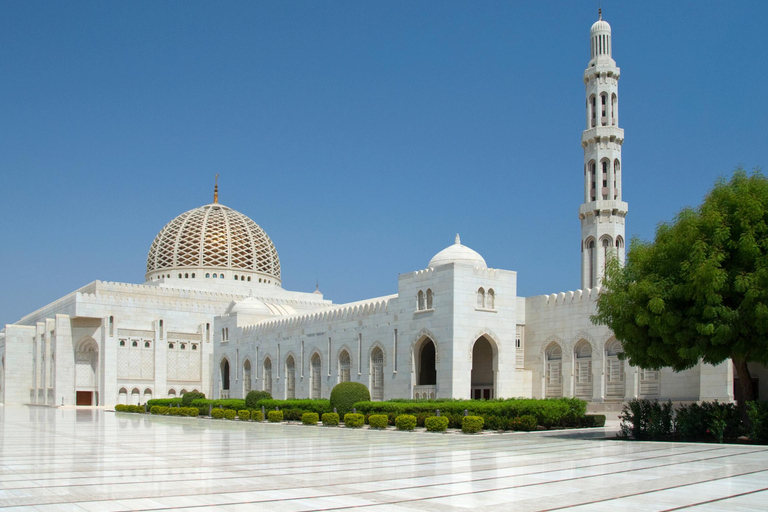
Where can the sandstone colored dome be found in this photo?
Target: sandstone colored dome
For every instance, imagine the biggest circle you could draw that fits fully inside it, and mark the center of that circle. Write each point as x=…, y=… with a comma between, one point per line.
x=213, y=237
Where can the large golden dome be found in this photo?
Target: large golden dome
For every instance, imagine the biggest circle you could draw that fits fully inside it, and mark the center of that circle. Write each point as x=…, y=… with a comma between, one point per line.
x=213, y=241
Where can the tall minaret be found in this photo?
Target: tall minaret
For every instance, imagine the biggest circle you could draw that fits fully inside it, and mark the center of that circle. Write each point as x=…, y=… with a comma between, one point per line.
x=602, y=213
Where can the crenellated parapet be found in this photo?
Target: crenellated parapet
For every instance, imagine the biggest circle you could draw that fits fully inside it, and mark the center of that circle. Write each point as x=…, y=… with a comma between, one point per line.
x=342, y=313
x=569, y=297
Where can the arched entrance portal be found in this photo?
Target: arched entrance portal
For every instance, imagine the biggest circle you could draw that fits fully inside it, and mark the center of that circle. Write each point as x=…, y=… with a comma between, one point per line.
x=86, y=371
x=225, y=379
x=483, y=370
x=425, y=355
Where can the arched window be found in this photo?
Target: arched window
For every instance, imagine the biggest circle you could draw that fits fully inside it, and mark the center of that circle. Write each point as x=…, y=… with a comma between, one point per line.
x=122, y=396
x=186, y=275
x=225, y=378
x=583, y=370
x=249, y=278
x=593, y=102
x=420, y=300
x=268, y=375
x=122, y=343
x=235, y=278
x=290, y=378
x=147, y=344
x=429, y=298
x=553, y=371
x=207, y=274
x=604, y=103
x=592, y=180
x=147, y=395
x=377, y=374
x=604, y=164
x=315, y=375
x=111, y=326
x=480, y=298
x=491, y=299
x=344, y=366
x=134, y=343
x=614, y=372
x=136, y=396
x=591, y=262
x=171, y=393
x=246, y=374
x=614, y=112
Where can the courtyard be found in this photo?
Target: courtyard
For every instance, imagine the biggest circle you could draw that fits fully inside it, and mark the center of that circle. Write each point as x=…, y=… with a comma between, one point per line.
x=84, y=459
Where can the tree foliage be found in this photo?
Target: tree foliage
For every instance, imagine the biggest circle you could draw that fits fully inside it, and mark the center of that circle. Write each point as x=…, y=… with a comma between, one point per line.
x=699, y=291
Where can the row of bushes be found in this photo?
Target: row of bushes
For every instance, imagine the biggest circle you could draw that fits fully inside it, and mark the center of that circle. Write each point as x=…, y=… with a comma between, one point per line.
x=651, y=420
x=173, y=411
x=130, y=408
x=496, y=414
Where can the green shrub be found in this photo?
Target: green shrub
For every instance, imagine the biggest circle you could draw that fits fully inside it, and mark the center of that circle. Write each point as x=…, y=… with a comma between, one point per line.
x=244, y=415
x=758, y=416
x=217, y=414
x=379, y=421
x=331, y=419
x=230, y=414
x=345, y=394
x=204, y=404
x=130, y=408
x=646, y=419
x=188, y=397
x=275, y=416
x=253, y=398
x=471, y=424
x=405, y=422
x=593, y=420
x=256, y=415
x=159, y=409
x=310, y=418
x=525, y=423
x=436, y=424
x=164, y=402
x=354, y=420
x=497, y=414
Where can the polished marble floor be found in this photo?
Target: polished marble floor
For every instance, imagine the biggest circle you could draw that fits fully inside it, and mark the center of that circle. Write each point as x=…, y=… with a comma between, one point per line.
x=94, y=460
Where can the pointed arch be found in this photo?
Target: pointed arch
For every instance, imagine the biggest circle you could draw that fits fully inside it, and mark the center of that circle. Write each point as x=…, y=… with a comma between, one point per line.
x=614, y=371
x=344, y=364
x=290, y=376
x=247, y=372
x=582, y=369
x=315, y=375
x=377, y=362
x=224, y=370
x=553, y=370
x=266, y=372
x=484, y=367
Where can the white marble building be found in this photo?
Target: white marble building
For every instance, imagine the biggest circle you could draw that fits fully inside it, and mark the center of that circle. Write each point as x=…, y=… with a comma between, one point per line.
x=212, y=316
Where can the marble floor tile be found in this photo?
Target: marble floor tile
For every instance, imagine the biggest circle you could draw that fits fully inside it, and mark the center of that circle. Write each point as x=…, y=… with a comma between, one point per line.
x=90, y=460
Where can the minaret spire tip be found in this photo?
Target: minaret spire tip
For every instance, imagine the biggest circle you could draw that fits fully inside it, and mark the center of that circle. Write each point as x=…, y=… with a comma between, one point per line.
x=457, y=241
x=216, y=190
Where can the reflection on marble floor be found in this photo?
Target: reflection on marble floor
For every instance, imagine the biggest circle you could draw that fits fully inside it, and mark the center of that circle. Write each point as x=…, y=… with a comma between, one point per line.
x=93, y=460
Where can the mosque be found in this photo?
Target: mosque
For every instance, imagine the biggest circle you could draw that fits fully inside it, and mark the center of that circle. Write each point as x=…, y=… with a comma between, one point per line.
x=212, y=316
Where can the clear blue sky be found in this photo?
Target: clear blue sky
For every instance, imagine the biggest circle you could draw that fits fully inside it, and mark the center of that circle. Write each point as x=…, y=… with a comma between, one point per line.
x=360, y=135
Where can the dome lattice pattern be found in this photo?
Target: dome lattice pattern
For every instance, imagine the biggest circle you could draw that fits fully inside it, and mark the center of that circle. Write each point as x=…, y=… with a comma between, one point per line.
x=213, y=236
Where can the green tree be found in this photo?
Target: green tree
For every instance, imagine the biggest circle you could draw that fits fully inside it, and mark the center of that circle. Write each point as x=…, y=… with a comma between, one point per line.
x=699, y=291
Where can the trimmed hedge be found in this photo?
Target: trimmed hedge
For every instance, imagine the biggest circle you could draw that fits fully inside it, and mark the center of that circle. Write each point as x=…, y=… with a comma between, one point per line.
x=217, y=414
x=496, y=414
x=293, y=409
x=345, y=394
x=230, y=414
x=275, y=416
x=164, y=402
x=256, y=415
x=354, y=420
x=310, y=418
x=758, y=416
x=646, y=419
x=253, y=398
x=188, y=397
x=436, y=424
x=244, y=415
x=471, y=424
x=405, y=422
x=525, y=423
x=204, y=404
x=331, y=419
x=593, y=420
x=130, y=408
x=378, y=421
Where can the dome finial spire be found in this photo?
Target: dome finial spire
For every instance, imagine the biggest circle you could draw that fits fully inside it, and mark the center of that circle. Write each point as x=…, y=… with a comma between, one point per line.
x=216, y=190
x=600, y=12
x=457, y=241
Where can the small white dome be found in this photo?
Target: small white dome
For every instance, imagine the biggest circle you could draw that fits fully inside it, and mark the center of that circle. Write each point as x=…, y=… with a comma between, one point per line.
x=600, y=26
x=458, y=253
x=249, y=306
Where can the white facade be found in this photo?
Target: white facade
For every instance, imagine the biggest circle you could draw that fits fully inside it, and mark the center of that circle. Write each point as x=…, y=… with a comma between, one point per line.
x=212, y=316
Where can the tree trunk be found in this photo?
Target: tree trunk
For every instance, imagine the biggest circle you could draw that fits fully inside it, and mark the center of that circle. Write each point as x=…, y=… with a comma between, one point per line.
x=745, y=384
